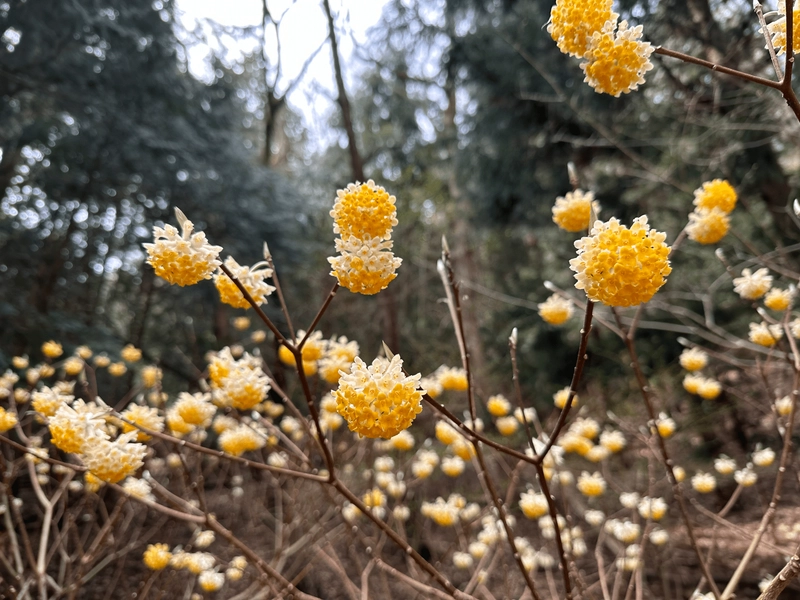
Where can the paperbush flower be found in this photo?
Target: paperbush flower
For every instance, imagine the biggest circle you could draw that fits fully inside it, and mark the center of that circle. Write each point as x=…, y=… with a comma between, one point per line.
x=555, y=310
x=138, y=488
x=777, y=29
x=147, y=417
x=704, y=483
x=52, y=349
x=574, y=211
x=498, y=406
x=402, y=441
x=75, y=427
x=724, y=465
x=47, y=401
x=453, y=466
x=117, y=369
x=783, y=406
x=709, y=389
x=613, y=441
x=183, y=258
x=777, y=299
x=751, y=286
x=707, y=226
x=157, y=556
x=240, y=439
x=591, y=485
x=114, y=461
x=763, y=457
x=364, y=266
x=444, y=513
x=745, y=477
x=617, y=59
x=379, y=400
x=194, y=409
x=7, y=420
x=130, y=353
x=151, y=376
x=621, y=267
x=572, y=23
x=561, y=396
x=764, y=334
x=339, y=355
x=533, y=505
x=453, y=379
x=72, y=366
x=364, y=210
x=652, y=508
x=252, y=278
x=665, y=425
x=717, y=193
x=693, y=359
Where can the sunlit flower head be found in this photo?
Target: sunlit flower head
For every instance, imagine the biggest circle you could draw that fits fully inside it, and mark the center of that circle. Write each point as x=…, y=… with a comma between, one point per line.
x=625, y=531
x=751, y=286
x=75, y=427
x=724, y=465
x=707, y=226
x=446, y=433
x=378, y=400
x=498, y=405
x=182, y=257
x=764, y=334
x=52, y=349
x=195, y=409
x=7, y=420
x=252, y=278
x=114, y=461
x=364, y=266
x=561, y=396
x=619, y=266
x=338, y=355
x=746, y=477
x=101, y=361
x=364, y=210
x=130, y=353
x=46, y=401
x=444, y=513
x=533, y=505
x=573, y=22
x=617, y=60
x=453, y=466
x=613, y=441
x=693, y=359
x=778, y=299
x=145, y=416
x=709, y=389
x=763, y=457
x=594, y=518
x=665, y=425
x=718, y=194
x=240, y=439
x=777, y=29
x=157, y=556
x=591, y=485
x=573, y=443
x=211, y=581
x=704, y=483
x=138, y=488
x=575, y=211
x=453, y=379
x=659, y=537
x=555, y=310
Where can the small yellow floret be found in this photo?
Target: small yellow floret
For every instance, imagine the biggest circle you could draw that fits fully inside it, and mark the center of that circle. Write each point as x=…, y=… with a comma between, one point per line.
x=591, y=485
x=751, y=286
x=52, y=349
x=709, y=389
x=7, y=420
x=707, y=226
x=453, y=379
x=238, y=440
x=498, y=406
x=778, y=299
x=561, y=396
x=764, y=334
x=619, y=266
x=157, y=556
x=73, y=366
x=533, y=505
x=704, y=483
x=130, y=353
x=693, y=359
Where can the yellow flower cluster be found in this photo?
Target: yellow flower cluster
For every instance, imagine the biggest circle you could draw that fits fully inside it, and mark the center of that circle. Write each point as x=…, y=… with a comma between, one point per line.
x=339, y=356
x=240, y=439
x=452, y=379
x=313, y=350
x=52, y=349
x=561, y=396
x=76, y=427
x=777, y=299
x=130, y=353
x=240, y=383
x=498, y=406
x=706, y=388
x=764, y=334
x=364, y=214
x=591, y=485
x=619, y=266
x=113, y=461
x=751, y=286
x=555, y=310
x=183, y=258
x=444, y=513
x=573, y=23
x=693, y=359
x=144, y=416
x=379, y=400
x=157, y=556
x=252, y=278
x=7, y=420
x=574, y=211
x=777, y=29
x=617, y=59
x=704, y=483
x=709, y=222
x=533, y=505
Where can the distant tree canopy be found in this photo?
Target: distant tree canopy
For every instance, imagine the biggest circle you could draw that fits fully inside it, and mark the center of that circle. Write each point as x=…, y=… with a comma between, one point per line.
x=103, y=133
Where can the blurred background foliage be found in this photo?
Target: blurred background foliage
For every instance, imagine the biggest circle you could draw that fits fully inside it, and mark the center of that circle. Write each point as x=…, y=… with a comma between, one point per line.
x=464, y=109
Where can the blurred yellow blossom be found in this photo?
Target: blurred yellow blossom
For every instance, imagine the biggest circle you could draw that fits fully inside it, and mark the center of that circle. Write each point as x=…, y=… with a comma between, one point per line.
x=574, y=212
x=778, y=299
x=130, y=353
x=693, y=359
x=555, y=310
x=717, y=193
x=707, y=226
x=52, y=349
x=251, y=278
x=751, y=286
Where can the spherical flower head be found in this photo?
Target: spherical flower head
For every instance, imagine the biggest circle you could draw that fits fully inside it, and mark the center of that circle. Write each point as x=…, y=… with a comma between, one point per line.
x=783, y=406
x=692, y=383
x=7, y=420
x=379, y=400
x=507, y=426
x=585, y=427
x=151, y=376
x=157, y=557
x=245, y=387
x=251, y=278
x=619, y=266
x=182, y=258
x=453, y=379
x=52, y=349
x=613, y=441
x=533, y=505
x=240, y=439
x=572, y=23
x=364, y=266
x=101, y=361
x=707, y=226
x=574, y=443
x=717, y=193
x=652, y=508
x=364, y=210
x=453, y=466
x=561, y=396
x=746, y=477
x=704, y=483
x=777, y=29
x=131, y=354
x=114, y=461
x=47, y=401
x=75, y=427
x=462, y=560
x=751, y=286
x=724, y=465
x=777, y=299
x=145, y=416
x=763, y=457
x=555, y=310
x=574, y=211
x=403, y=441
x=498, y=406
x=709, y=389
x=591, y=485
x=617, y=60
x=117, y=369
x=693, y=359
x=665, y=426
x=73, y=366
x=446, y=433
x=626, y=531
x=659, y=537
x=764, y=334
x=138, y=488
x=211, y=581
x=421, y=469
x=195, y=409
